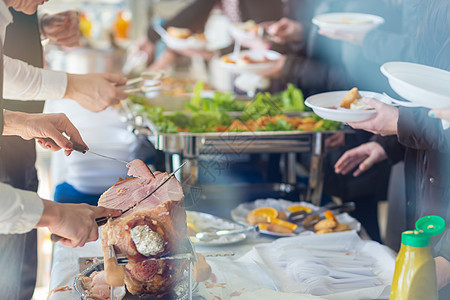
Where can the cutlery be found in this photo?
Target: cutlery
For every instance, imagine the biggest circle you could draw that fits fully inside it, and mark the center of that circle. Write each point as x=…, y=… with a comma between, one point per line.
x=212, y=235
x=82, y=149
x=299, y=216
x=102, y=221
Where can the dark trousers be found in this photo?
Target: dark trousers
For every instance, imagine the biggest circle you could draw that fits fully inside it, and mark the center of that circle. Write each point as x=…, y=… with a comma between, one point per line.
x=18, y=252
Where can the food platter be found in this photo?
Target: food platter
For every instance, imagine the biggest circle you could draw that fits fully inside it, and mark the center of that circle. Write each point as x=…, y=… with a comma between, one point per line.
x=267, y=58
x=120, y=292
x=206, y=222
x=326, y=105
x=239, y=214
x=348, y=22
x=422, y=85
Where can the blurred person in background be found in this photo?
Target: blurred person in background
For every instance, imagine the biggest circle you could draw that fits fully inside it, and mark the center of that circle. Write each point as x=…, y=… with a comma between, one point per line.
x=409, y=134
x=320, y=65
x=194, y=18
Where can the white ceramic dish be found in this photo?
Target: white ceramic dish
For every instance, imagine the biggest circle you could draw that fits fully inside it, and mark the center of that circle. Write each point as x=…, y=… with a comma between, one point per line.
x=272, y=57
x=239, y=214
x=349, y=22
x=422, y=85
x=326, y=105
x=207, y=222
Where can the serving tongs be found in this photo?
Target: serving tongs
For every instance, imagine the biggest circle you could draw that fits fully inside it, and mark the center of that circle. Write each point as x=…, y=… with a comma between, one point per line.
x=300, y=216
x=148, y=81
x=212, y=235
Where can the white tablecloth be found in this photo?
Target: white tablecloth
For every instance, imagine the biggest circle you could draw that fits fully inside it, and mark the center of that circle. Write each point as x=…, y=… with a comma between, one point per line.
x=238, y=277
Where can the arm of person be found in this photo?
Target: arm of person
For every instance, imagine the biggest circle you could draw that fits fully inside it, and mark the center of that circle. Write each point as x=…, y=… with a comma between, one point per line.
x=94, y=92
x=22, y=211
x=54, y=126
x=313, y=76
x=360, y=158
x=442, y=271
x=62, y=28
x=418, y=131
x=440, y=113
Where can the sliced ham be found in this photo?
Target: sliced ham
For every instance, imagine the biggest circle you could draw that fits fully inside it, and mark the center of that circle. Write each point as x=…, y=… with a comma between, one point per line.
x=137, y=168
x=154, y=228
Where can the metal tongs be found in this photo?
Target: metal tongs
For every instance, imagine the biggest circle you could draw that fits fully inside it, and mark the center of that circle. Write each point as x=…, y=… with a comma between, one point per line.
x=149, y=81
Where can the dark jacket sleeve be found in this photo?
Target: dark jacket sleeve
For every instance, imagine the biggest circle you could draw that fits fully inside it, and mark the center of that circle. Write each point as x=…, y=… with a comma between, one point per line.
x=313, y=76
x=193, y=17
x=381, y=46
x=394, y=150
x=418, y=131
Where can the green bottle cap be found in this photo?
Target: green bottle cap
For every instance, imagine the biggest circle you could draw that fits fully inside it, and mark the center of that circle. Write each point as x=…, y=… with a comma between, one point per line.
x=432, y=225
x=415, y=238
x=426, y=227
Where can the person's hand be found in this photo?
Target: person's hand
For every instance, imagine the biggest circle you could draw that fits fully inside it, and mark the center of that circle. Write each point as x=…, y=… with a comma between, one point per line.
x=440, y=113
x=74, y=222
x=167, y=58
x=442, y=271
x=62, y=28
x=40, y=126
x=384, y=122
x=96, y=92
x=285, y=30
x=335, y=140
x=276, y=70
x=356, y=38
x=364, y=156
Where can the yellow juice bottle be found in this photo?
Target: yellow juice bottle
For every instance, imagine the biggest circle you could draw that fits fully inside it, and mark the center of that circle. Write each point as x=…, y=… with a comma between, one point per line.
x=415, y=270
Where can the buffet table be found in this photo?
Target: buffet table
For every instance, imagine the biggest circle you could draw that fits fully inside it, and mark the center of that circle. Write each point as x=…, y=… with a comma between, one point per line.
x=241, y=276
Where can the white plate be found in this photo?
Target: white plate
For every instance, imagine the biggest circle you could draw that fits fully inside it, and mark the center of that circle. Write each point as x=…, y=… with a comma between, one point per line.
x=422, y=85
x=207, y=222
x=356, y=22
x=322, y=105
x=239, y=34
x=239, y=214
x=255, y=67
x=191, y=43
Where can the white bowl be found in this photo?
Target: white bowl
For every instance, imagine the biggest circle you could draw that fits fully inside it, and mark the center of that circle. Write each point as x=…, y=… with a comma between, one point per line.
x=322, y=104
x=422, y=85
x=356, y=22
x=272, y=56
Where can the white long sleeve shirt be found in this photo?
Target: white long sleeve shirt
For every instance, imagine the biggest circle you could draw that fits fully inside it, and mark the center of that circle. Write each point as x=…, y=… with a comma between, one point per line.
x=20, y=210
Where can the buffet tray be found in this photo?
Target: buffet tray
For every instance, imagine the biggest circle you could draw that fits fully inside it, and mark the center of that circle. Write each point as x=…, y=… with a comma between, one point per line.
x=193, y=144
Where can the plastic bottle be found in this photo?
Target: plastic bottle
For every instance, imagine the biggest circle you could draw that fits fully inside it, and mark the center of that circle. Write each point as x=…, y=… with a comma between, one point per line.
x=415, y=270
x=122, y=24
x=85, y=25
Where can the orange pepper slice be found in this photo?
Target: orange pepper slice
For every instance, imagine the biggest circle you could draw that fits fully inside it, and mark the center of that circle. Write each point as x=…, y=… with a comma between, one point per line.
x=297, y=207
x=262, y=226
x=330, y=216
x=268, y=212
x=283, y=223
